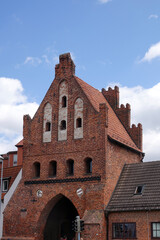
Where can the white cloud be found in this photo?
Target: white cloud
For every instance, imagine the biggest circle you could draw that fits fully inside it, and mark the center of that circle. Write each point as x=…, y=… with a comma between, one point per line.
x=152, y=53
x=50, y=58
x=105, y=62
x=73, y=56
x=145, y=108
x=153, y=16
x=35, y=61
x=47, y=61
x=56, y=59
x=104, y=1
x=8, y=144
x=13, y=105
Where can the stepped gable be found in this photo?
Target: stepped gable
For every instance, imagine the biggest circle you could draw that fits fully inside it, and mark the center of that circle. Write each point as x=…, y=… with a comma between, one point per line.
x=125, y=198
x=115, y=128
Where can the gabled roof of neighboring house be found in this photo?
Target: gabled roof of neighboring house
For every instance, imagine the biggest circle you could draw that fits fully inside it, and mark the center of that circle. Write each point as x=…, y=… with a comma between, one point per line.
x=138, y=188
x=5, y=156
x=19, y=144
x=11, y=174
x=115, y=128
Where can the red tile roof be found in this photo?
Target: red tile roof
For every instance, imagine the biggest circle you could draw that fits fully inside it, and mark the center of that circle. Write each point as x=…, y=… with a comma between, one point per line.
x=115, y=128
x=19, y=144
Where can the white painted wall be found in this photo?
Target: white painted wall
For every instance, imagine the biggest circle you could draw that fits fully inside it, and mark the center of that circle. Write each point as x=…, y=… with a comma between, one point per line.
x=63, y=91
x=78, y=113
x=47, y=117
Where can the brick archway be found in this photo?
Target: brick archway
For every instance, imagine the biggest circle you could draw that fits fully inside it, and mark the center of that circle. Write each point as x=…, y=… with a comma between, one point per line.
x=56, y=219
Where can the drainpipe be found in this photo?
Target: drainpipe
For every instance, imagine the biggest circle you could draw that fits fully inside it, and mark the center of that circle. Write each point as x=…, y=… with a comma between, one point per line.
x=1, y=161
x=107, y=225
x=148, y=225
x=1, y=223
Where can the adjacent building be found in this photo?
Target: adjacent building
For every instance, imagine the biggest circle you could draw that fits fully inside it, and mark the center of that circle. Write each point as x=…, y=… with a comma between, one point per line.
x=133, y=211
x=11, y=175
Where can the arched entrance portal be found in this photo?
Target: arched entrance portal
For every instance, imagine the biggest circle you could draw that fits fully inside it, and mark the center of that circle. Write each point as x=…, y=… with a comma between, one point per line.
x=59, y=222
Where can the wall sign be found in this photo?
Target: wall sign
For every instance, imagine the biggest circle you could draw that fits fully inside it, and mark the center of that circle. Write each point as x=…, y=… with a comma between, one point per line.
x=79, y=192
x=39, y=193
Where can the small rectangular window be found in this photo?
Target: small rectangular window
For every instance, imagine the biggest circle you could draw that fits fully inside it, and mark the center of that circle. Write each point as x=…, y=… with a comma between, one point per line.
x=155, y=228
x=124, y=230
x=15, y=160
x=5, y=185
x=139, y=190
x=88, y=165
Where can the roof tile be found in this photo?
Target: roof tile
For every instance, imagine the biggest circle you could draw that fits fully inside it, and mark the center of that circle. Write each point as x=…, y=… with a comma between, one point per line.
x=115, y=128
x=139, y=174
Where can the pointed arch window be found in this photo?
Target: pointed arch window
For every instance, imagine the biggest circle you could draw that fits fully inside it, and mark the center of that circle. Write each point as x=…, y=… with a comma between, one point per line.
x=78, y=119
x=47, y=120
x=64, y=101
x=63, y=125
x=63, y=110
x=78, y=122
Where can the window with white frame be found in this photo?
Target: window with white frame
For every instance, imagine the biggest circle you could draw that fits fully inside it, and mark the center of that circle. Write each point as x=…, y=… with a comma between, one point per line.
x=155, y=228
x=5, y=184
x=15, y=160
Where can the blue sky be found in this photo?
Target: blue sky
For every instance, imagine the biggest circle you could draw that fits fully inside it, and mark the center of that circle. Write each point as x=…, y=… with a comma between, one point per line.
x=116, y=41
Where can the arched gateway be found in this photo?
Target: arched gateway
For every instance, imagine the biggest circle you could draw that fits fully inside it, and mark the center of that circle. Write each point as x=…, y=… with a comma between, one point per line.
x=59, y=221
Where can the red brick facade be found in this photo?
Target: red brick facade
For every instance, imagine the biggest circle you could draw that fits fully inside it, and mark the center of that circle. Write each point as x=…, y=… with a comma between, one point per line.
x=142, y=219
x=12, y=163
x=106, y=140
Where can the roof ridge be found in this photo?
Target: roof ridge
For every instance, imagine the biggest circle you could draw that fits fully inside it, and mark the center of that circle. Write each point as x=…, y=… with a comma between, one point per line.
x=142, y=163
x=87, y=84
x=13, y=167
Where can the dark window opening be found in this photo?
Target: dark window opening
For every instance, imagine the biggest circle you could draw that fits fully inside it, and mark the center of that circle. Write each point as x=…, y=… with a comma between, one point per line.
x=155, y=228
x=5, y=185
x=64, y=101
x=124, y=230
x=63, y=125
x=36, y=170
x=88, y=162
x=70, y=166
x=139, y=190
x=79, y=123
x=52, y=169
x=48, y=126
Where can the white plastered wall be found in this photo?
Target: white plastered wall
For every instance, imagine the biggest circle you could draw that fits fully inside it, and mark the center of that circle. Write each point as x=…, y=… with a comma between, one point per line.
x=78, y=113
x=47, y=118
x=63, y=91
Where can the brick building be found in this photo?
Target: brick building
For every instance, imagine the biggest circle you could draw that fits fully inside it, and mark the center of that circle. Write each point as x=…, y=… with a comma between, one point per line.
x=74, y=150
x=134, y=208
x=11, y=175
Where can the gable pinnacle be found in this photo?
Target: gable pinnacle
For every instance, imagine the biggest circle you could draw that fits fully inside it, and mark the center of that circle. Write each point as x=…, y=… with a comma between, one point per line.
x=66, y=65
